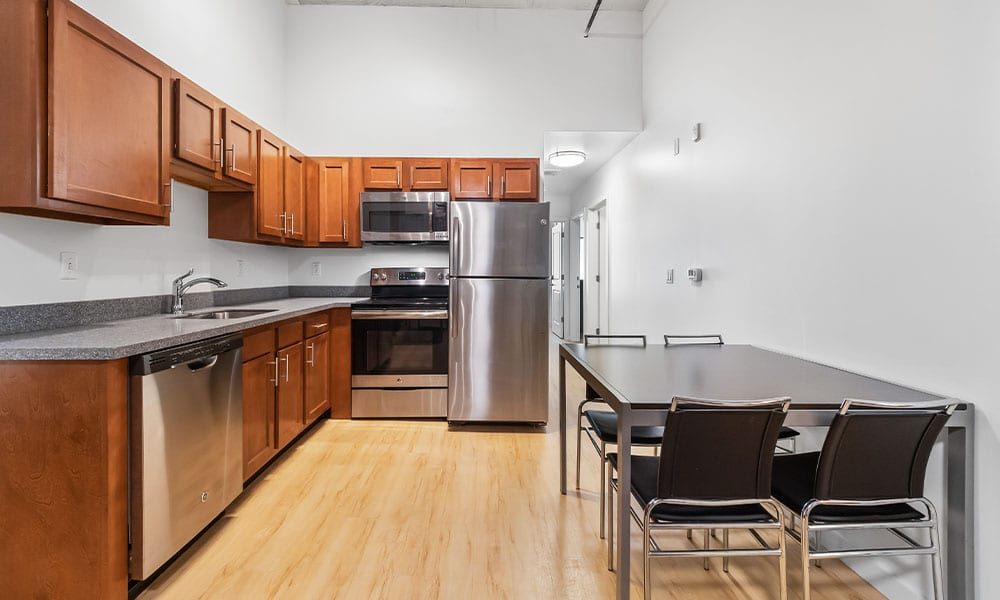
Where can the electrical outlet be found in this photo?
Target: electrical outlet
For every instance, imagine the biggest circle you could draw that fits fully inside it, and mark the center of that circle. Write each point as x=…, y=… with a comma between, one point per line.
x=670, y=275
x=241, y=267
x=69, y=266
x=315, y=268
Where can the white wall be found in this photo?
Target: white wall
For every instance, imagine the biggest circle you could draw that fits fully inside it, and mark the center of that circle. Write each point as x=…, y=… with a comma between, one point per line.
x=843, y=201
x=395, y=81
x=235, y=48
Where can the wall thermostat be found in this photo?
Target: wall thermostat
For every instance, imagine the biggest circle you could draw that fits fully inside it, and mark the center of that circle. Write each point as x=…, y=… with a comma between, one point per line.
x=694, y=274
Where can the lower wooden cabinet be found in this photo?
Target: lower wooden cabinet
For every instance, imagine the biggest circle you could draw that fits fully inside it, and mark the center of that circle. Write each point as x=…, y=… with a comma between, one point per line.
x=259, y=385
x=290, y=409
x=317, y=376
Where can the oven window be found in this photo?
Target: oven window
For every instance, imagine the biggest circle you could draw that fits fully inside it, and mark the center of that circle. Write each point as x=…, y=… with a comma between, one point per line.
x=400, y=347
x=397, y=217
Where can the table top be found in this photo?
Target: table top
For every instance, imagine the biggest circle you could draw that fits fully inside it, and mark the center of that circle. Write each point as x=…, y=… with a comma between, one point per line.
x=649, y=377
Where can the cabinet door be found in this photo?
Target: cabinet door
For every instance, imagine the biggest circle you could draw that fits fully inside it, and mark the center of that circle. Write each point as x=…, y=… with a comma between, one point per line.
x=340, y=363
x=197, y=139
x=427, y=173
x=517, y=179
x=109, y=117
x=334, y=202
x=290, y=417
x=295, y=193
x=317, y=376
x=239, y=134
x=382, y=173
x=259, y=384
x=471, y=179
x=271, y=217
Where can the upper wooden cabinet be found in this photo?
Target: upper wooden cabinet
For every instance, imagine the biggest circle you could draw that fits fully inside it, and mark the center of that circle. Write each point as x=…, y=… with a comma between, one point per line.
x=271, y=217
x=333, y=208
x=295, y=193
x=197, y=118
x=86, y=133
x=404, y=174
x=472, y=179
x=427, y=173
x=239, y=138
x=382, y=173
x=494, y=179
x=518, y=179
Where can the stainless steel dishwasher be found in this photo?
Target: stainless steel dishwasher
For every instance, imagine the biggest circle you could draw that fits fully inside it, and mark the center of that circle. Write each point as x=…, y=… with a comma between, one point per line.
x=186, y=446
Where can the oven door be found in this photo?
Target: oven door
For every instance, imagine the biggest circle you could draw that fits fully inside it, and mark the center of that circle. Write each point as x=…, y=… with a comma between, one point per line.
x=398, y=218
x=399, y=349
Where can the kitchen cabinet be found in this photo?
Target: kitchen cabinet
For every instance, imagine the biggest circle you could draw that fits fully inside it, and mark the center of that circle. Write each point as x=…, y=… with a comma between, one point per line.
x=317, y=377
x=290, y=418
x=382, y=173
x=274, y=212
x=405, y=174
x=197, y=139
x=333, y=211
x=472, y=179
x=340, y=363
x=239, y=139
x=259, y=385
x=518, y=179
x=494, y=179
x=79, y=146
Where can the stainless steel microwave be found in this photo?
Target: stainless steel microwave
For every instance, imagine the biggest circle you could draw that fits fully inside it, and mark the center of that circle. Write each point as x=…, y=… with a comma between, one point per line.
x=405, y=217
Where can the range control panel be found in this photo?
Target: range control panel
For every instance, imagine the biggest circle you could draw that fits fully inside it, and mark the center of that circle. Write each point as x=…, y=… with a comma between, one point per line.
x=409, y=276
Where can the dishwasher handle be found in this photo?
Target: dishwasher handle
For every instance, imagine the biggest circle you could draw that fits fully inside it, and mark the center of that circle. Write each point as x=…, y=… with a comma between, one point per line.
x=200, y=364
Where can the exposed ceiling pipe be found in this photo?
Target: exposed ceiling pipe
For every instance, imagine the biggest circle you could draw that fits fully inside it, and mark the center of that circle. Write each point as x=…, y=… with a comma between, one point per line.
x=593, y=16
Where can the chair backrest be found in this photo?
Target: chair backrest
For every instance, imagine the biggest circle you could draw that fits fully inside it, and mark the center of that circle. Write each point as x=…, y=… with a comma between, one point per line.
x=718, y=449
x=714, y=339
x=614, y=340
x=879, y=451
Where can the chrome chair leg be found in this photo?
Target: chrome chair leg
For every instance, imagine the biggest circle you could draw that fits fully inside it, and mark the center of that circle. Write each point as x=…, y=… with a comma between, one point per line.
x=782, y=567
x=936, y=569
x=707, y=546
x=725, y=545
x=804, y=532
x=647, y=540
x=611, y=526
x=604, y=477
x=579, y=435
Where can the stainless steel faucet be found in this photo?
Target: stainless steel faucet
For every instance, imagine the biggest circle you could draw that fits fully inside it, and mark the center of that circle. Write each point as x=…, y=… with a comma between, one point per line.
x=181, y=286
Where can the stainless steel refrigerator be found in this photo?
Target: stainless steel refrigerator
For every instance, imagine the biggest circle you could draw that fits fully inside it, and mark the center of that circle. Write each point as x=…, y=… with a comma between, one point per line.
x=499, y=312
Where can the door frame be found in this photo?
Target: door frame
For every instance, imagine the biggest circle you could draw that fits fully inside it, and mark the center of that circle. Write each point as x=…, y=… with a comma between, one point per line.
x=564, y=267
x=597, y=292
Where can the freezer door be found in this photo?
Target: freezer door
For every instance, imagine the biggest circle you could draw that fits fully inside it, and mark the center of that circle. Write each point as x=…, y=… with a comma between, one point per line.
x=499, y=239
x=498, y=351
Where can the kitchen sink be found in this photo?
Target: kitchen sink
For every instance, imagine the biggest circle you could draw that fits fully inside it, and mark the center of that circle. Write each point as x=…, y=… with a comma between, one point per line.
x=233, y=313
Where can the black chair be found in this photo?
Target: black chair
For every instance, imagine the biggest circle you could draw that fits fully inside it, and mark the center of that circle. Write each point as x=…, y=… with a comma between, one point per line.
x=787, y=435
x=602, y=425
x=713, y=472
x=868, y=475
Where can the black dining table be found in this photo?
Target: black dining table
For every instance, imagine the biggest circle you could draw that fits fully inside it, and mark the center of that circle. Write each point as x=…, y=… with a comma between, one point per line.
x=637, y=381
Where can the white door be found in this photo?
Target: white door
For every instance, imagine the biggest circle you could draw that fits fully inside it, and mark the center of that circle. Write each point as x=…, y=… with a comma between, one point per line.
x=558, y=278
x=595, y=278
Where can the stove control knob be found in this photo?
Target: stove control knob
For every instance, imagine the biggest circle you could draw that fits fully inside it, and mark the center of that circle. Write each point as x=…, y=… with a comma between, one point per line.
x=440, y=275
x=383, y=277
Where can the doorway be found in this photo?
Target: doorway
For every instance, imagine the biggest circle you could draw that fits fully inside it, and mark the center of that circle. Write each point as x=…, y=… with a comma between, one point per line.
x=558, y=283
x=596, y=278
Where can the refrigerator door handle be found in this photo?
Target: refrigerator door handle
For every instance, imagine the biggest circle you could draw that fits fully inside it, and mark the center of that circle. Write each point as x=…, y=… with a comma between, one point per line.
x=456, y=246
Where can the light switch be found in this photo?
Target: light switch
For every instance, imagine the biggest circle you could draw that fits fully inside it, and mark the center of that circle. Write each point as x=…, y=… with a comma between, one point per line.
x=316, y=269
x=69, y=267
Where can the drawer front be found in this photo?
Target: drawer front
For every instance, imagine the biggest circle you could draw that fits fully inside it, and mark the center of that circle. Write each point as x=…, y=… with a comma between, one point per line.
x=289, y=333
x=258, y=343
x=317, y=323
x=429, y=403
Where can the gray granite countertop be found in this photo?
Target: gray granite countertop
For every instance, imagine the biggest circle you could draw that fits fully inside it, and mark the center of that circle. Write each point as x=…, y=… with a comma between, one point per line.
x=120, y=339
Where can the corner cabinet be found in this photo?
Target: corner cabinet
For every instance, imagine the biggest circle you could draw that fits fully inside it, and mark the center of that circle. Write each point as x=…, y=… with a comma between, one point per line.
x=79, y=146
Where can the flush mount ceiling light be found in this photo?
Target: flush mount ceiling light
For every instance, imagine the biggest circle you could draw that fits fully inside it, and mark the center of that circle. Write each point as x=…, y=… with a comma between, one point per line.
x=567, y=158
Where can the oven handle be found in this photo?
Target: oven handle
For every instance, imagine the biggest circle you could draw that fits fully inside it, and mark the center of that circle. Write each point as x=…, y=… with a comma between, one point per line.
x=398, y=314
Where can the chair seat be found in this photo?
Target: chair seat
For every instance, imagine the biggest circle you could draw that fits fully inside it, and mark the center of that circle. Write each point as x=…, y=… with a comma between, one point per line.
x=646, y=470
x=787, y=433
x=793, y=480
x=605, y=425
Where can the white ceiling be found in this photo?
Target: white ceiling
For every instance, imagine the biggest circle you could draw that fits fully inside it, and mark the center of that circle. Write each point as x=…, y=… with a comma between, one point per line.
x=634, y=5
x=599, y=147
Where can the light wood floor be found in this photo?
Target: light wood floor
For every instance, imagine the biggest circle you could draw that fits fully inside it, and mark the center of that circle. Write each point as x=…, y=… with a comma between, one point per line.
x=411, y=510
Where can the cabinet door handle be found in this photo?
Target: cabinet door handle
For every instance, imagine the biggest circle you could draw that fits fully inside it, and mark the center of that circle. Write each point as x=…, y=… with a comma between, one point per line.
x=343, y=233
x=284, y=220
x=221, y=158
x=399, y=184
x=311, y=361
x=503, y=186
x=232, y=164
x=275, y=380
x=489, y=185
x=285, y=358
x=292, y=227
